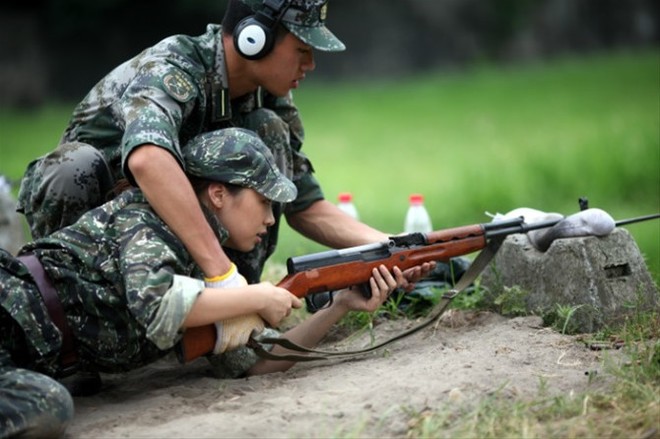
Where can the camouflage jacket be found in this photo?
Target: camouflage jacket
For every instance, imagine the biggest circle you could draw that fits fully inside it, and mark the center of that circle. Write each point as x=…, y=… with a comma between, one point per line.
x=125, y=281
x=172, y=92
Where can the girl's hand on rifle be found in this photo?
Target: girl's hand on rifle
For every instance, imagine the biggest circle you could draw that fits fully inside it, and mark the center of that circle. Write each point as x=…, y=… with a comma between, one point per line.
x=276, y=302
x=382, y=283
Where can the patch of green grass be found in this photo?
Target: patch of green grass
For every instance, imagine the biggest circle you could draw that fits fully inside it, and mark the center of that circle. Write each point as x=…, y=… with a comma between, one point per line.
x=628, y=408
x=27, y=134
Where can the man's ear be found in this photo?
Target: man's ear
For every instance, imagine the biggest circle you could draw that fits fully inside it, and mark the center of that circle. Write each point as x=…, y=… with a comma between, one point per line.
x=217, y=193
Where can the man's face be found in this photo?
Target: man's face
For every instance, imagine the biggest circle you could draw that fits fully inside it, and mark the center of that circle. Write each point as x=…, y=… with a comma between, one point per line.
x=286, y=65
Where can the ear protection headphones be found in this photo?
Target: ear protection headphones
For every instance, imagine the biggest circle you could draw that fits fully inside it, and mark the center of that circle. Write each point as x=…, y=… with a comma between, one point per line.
x=254, y=36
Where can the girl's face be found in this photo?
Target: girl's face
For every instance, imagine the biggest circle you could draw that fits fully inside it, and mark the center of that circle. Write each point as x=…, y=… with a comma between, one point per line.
x=246, y=215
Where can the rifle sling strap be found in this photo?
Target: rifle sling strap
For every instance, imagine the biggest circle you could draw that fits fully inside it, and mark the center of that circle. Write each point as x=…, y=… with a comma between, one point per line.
x=477, y=266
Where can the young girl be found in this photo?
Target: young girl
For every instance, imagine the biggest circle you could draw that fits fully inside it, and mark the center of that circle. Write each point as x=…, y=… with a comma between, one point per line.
x=116, y=290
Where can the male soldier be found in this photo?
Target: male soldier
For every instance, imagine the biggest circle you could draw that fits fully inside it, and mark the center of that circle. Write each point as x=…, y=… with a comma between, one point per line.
x=136, y=122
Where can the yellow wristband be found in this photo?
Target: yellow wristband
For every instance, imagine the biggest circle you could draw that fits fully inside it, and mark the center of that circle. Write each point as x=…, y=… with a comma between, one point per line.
x=221, y=277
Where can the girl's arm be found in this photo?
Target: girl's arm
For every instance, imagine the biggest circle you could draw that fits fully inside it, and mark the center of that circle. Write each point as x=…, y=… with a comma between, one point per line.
x=310, y=332
x=271, y=303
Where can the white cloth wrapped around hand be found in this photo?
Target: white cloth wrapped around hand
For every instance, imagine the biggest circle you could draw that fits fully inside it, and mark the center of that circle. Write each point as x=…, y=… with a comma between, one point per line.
x=235, y=332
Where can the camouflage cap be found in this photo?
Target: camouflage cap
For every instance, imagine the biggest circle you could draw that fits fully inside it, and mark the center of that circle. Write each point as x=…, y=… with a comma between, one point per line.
x=238, y=156
x=306, y=20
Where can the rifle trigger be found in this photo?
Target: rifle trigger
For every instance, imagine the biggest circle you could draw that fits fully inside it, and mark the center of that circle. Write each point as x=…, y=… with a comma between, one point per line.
x=365, y=290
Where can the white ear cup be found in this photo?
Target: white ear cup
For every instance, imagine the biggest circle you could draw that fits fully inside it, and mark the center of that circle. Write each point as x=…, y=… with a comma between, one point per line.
x=251, y=40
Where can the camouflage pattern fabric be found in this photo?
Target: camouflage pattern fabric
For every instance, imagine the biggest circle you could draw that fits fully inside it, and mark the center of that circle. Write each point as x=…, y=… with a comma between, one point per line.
x=126, y=284
x=166, y=95
x=122, y=278
x=57, y=189
x=238, y=156
x=278, y=135
x=32, y=404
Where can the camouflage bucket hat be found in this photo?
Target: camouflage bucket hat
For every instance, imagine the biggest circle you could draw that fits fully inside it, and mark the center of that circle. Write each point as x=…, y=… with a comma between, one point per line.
x=238, y=156
x=306, y=20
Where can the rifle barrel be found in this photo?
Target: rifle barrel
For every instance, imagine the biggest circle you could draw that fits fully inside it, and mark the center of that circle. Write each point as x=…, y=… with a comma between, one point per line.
x=637, y=219
x=524, y=228
x=521, y=228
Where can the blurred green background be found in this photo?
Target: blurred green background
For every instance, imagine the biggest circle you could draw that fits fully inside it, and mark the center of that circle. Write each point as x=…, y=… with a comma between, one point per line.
x=488, y=139
x=493, y=139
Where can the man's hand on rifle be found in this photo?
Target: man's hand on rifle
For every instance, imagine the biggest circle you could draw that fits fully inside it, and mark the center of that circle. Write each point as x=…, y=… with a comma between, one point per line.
x=415, y=274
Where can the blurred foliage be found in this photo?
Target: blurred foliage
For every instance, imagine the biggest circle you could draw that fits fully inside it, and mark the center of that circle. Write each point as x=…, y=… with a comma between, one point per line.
x=60, y=48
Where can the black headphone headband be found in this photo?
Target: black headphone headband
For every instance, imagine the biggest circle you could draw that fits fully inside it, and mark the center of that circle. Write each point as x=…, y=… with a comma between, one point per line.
x=271, y=13
x=254, y=36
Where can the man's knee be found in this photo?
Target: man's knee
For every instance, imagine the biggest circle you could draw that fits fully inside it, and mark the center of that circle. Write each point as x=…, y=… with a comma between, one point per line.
x=62, y=185
x=74, y=170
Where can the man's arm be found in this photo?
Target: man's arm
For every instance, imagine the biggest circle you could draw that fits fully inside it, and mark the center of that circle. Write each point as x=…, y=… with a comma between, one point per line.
x=170, y=194
x=326, y=224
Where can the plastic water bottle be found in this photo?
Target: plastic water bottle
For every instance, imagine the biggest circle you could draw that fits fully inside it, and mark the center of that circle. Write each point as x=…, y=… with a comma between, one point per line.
x=345, y=203
x=417, y=218
x=5, y=185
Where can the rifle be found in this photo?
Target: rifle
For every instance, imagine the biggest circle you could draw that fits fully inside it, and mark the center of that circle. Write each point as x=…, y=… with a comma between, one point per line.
x=337, y=269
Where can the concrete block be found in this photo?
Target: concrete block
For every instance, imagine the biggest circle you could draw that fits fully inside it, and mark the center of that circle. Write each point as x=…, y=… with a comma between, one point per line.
x=604, y=278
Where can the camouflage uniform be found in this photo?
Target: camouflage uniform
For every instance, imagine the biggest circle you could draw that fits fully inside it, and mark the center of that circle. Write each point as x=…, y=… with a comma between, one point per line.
x=166, y=95
x=125, y=282
x=24, y=393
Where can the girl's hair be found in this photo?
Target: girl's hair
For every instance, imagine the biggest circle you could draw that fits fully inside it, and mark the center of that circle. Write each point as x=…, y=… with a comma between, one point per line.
x=120, y=186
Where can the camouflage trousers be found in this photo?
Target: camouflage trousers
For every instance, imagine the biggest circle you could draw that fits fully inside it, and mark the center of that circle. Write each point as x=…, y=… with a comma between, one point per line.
x=32, y=405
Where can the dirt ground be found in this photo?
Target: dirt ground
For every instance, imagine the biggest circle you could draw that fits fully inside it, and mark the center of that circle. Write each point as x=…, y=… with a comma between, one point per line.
x=464, y=359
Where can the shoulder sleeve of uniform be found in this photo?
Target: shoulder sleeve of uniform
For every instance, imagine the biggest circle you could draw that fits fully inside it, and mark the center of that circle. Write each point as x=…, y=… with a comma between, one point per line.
x=165, y=328
x=155, y=108
x=309, y=192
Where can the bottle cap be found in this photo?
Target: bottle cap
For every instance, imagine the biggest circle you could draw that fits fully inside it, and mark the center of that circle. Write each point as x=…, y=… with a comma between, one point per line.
x=416, y=199
x=345, y=197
